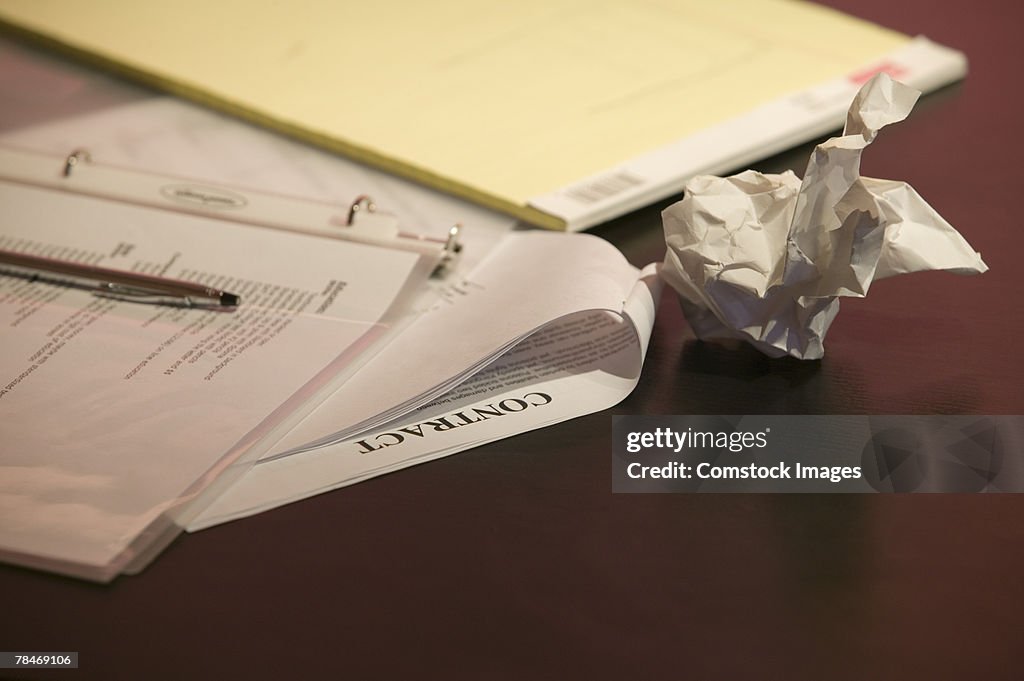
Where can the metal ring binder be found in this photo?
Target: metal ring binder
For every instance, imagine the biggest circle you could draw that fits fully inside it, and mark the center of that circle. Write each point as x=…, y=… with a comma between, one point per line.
x=361, y=203
x=452, y=248
x=364, y=223
x=74, y=158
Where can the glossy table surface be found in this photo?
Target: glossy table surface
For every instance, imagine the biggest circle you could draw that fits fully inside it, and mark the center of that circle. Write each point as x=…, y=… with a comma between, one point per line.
x=515, y=560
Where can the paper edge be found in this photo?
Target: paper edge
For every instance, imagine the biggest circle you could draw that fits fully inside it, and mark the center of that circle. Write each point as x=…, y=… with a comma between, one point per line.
x=766, y=130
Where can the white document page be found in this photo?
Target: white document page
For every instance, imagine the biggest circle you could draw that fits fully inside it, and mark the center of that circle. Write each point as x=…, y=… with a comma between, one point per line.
x=112, y=412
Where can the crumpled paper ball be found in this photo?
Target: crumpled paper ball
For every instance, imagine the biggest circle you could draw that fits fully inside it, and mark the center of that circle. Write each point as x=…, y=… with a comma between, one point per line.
x=765, y=258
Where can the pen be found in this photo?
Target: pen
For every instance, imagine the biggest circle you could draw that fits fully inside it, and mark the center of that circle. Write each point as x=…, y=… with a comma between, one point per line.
x=120, y=284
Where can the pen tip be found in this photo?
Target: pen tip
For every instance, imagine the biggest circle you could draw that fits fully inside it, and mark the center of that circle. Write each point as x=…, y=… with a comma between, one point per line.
x=229, y=300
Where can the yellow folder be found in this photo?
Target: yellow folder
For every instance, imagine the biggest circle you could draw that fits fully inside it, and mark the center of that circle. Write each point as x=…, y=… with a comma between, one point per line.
x=562, y=112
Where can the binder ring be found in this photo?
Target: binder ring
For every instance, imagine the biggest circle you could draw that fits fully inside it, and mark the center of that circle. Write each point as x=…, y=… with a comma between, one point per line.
x=74, y=158
x=452, y=246
x=450, y=251
x=362, y=202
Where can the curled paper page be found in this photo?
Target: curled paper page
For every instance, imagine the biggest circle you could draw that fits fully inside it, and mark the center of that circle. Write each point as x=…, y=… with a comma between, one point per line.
x=765, y=258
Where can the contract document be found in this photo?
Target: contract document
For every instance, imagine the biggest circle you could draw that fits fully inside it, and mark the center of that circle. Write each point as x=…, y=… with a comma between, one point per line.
x=547, y=328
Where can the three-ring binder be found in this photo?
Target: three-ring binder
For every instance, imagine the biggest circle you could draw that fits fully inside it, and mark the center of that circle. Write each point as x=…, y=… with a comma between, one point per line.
x=360, y=222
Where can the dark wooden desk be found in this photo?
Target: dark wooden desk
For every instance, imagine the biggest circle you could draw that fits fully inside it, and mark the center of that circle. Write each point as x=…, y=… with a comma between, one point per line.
x=515, y=561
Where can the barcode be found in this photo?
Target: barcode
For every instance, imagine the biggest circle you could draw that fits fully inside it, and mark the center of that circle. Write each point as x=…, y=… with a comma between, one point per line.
x=603, y=187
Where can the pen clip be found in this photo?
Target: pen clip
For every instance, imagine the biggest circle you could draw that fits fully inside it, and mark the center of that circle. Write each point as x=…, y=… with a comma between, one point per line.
x=109, y=288
x=137, y=294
